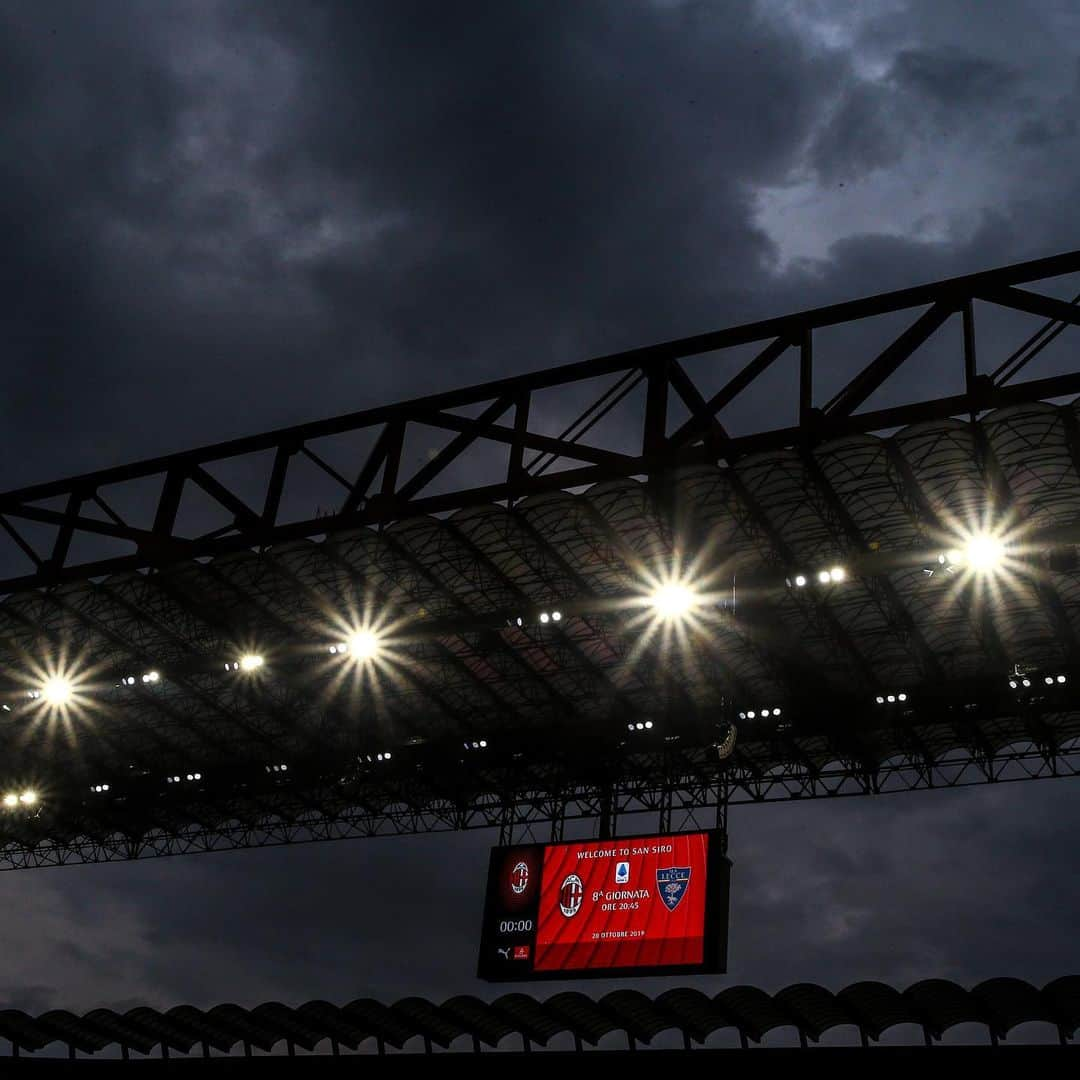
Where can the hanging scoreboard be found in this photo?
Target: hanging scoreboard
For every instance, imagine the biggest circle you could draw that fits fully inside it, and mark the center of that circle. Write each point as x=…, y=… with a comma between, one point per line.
x=647, y=905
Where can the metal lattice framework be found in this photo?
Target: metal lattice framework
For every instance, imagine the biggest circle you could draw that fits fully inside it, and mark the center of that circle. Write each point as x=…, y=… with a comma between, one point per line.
x=487, y=712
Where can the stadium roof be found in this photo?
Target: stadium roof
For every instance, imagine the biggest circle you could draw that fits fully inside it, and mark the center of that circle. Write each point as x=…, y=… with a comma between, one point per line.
x=868, y=1009
x=847, y=619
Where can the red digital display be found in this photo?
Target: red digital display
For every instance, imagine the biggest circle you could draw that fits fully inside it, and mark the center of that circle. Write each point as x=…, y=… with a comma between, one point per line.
x=629, y=905
x=614, y=904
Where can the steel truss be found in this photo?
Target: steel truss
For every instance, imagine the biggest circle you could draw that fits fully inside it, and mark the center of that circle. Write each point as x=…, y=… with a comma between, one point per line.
x=44, y=525
x=649, y=799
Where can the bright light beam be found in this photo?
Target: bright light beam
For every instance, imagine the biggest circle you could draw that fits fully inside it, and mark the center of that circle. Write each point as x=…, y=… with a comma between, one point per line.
x=363, y=645
x=56, y=690
x=984, y=553
x=673, y=600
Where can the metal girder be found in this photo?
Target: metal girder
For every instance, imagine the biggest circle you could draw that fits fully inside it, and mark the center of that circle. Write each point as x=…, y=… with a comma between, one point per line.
x=654, y=790
x=79, y=508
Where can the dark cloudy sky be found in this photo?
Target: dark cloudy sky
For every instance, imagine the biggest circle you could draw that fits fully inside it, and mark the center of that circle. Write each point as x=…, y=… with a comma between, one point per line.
x=217, y=218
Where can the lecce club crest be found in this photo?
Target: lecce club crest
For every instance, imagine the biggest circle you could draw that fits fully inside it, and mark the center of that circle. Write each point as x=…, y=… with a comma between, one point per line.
x=671, y=884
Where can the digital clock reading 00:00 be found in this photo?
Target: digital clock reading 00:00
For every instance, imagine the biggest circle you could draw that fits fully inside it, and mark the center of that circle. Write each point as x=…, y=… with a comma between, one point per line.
x=515, y=926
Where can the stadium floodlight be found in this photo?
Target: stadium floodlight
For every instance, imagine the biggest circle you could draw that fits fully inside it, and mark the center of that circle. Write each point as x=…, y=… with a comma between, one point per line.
x=824, y=577
x=556, y=616
x=28, y=798
x=56, y=690
x=800, y=580
x=251, y=662
x=837, y=573
x=11, y=799
x=363, y=645
x=673, y=600
x=984, y=553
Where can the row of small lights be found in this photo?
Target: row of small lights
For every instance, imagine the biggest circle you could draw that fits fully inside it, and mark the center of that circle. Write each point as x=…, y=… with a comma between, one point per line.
x=29, y=798
x=824, y=577
x=57, y=690
x=1024, y=681
x=544, y=617
x=481, y=744
x=752, y=714
x=148, y=677
x=981, y=553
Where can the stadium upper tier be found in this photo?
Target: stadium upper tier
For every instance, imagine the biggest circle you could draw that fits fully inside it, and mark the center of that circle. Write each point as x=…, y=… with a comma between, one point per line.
x=823, y=610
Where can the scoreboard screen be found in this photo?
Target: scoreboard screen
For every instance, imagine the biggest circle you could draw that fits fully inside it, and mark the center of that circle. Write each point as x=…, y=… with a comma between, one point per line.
x=646, y=905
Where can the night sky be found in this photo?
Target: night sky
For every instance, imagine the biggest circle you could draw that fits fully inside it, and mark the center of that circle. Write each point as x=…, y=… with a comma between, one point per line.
x=219, y=218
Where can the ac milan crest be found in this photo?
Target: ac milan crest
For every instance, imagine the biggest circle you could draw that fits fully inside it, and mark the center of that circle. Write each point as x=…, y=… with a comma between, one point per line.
x=519, y=877
x=570, y=896
x=672, y=884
